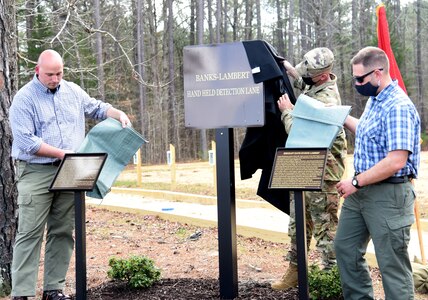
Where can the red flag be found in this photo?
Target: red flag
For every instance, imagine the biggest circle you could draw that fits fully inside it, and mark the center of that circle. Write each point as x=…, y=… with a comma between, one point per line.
x=384, y=43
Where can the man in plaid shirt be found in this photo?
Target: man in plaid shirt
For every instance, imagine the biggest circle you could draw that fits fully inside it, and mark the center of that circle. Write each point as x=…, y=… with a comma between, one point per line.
x=379, y=198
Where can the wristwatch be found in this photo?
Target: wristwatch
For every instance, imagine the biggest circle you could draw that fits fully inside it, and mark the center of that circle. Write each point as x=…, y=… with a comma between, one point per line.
x=355, y=182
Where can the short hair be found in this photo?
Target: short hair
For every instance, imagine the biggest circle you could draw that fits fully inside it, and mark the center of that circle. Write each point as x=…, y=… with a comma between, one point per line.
x=371, y=57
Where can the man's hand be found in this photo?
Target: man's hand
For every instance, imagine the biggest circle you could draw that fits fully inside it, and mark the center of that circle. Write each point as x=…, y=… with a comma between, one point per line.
x=284, y=103
x=119, y=115
x=123, y=118
x=345, y=188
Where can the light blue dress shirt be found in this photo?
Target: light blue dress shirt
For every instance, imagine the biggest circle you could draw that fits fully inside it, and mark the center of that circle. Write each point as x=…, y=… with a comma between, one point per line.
x=37, y=115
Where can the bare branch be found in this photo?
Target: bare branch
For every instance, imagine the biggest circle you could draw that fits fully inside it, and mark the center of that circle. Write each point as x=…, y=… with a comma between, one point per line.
x=137, y=76
x=70, y=4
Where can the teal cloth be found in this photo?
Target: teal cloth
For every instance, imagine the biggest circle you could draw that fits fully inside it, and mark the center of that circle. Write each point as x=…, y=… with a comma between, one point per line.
x=119, y=143
x=314, y=124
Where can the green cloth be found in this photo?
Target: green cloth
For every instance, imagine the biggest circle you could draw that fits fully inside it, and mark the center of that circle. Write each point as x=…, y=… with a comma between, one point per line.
x=119, y=143
x=314, y=124
x=420, y=277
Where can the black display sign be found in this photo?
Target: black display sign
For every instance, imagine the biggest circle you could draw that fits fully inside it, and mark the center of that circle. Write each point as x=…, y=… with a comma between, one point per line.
x=219, y=89
x=78, y=172
x=298, y=169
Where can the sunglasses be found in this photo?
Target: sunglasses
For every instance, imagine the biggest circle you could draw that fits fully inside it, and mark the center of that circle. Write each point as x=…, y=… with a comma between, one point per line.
x=361, y=78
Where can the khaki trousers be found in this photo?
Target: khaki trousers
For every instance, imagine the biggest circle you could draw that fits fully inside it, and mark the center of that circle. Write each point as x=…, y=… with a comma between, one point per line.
x=384, y=213
x=39, y=208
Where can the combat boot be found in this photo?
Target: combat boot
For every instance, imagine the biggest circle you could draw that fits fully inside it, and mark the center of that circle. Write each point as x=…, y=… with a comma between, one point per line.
x=288, y=281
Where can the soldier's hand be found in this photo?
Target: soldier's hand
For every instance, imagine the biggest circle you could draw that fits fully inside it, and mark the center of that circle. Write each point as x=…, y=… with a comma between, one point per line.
x=287, y=65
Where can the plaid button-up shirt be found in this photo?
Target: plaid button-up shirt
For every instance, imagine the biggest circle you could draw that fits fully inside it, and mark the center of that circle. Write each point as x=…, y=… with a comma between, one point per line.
x=37, y=115
x=389, y=122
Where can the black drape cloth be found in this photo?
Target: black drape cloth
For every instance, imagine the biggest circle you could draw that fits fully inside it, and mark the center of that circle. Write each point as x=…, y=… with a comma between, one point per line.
x=259, y=145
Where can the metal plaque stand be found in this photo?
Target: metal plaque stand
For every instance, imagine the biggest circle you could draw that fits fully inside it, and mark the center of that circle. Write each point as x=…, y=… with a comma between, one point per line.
x=70, y=176
x=298, y=170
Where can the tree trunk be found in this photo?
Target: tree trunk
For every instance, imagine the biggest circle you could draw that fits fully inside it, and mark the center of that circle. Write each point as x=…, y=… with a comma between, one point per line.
x=280, y=45
x=225, y=27
x=259, y=20
x=200, y=25
x=236, y=20
x=173, y=111
x=192, y=21
x=210, y=21
x=289, y=54
x=249, y=12
x=99, y=50
x=141, y=70
x=355, y=46
x=303, y=32
x=419, y=68
x=219, y=22
x=8, y=192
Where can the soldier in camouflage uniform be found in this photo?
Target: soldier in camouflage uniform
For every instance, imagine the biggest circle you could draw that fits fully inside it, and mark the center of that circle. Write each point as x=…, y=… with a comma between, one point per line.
x=314, y=78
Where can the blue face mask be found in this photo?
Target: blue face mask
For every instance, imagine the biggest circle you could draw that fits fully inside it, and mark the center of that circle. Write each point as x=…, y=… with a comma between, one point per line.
x=367, y=89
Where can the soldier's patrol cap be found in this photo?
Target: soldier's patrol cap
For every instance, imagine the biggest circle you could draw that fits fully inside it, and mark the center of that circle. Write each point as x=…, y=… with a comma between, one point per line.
x=316, y=61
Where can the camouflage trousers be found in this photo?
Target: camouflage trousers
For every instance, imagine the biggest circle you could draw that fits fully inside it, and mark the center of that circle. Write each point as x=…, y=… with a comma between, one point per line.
x=321, y=223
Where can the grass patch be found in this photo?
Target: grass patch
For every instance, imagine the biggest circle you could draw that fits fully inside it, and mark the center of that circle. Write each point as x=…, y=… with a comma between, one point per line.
x=182, y=233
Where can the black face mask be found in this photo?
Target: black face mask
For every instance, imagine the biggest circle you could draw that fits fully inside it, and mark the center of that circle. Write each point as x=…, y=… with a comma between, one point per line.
x=367, y=89
x=308, y=80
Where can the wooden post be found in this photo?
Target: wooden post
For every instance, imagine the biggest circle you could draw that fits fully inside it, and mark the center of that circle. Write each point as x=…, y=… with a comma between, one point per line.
x=139, y=180
x=173, y=167
x=418, y=225
x=419, y=229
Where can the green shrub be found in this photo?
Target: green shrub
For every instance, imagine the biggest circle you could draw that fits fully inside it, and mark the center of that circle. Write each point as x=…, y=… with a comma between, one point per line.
x=138, y=271
x=324, y=285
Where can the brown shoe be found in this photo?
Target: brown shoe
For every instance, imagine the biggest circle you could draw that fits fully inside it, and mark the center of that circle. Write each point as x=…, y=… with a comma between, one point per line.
x=19, y=298
x=55, y=295
x=289, y=279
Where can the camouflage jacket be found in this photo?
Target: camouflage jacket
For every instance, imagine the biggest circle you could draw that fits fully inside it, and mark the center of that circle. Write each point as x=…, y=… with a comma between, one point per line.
x=326, y=93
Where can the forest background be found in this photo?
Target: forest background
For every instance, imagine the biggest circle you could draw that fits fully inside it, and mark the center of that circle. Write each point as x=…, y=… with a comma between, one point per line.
x=130, y=52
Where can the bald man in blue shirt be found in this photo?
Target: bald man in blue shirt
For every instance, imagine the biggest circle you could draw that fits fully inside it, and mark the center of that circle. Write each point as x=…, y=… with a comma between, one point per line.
x=47, y=118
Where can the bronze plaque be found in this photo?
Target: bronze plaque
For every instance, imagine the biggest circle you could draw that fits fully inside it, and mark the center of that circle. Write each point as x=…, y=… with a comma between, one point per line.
x=78, y=172
x=298, y=169
x=219, y=89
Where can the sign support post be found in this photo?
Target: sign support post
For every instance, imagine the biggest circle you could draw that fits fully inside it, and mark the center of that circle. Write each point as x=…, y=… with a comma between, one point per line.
x=225, y=95
x=226, y=211
x=80, y=221
x=301, y=243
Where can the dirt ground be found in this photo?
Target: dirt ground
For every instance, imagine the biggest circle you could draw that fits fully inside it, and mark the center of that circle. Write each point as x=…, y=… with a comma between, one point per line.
x=189, y=267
